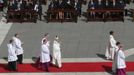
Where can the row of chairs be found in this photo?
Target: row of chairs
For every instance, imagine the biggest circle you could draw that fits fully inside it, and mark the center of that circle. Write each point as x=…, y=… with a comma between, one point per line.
x=22, y=16
x=113, y=14
x=61, y=15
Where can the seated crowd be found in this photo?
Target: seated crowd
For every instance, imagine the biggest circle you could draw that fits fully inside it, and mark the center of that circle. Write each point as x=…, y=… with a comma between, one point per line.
x=64, y=9
x=68, y=9
x=24, y=8
x=66, y=4
x=106, y=4
x=106, y=8
x=21, y=4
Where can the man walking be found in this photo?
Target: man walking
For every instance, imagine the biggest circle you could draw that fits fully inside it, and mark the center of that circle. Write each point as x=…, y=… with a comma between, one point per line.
x=18, y=47
x=56, y=59
x=12, y=57
x=121, y=64
x=45, y=56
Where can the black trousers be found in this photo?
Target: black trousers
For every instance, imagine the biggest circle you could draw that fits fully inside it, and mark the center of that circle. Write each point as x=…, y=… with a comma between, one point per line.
x=46, y=66
x=12, y=66
x=40, y=16
x=20, y=58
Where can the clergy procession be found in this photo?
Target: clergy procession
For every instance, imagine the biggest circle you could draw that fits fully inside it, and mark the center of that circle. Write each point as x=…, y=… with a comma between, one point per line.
x=114, y=52
x=15, y=53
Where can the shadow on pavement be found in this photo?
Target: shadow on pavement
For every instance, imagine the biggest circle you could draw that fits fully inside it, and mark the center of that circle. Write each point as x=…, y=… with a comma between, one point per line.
x=101, y=56
x=108, y=69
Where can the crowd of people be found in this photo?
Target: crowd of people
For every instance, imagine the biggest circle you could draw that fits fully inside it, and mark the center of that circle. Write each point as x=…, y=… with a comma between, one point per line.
x=16, y=52
x=26, y=5
x=106, y=5
x=75, y=5
x=36, y=5
x=94, y=4
x=114, y=50
x=66, y=4
x=21, y=4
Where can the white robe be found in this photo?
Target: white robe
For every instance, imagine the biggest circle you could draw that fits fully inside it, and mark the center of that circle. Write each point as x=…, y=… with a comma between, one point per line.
x=114, y=63
x=18, y=46
x=11, y=53
x=48, y=44
x=110, y=50
x=121, y=60
x=56, y=54
x=45, y=54
x=107, y=54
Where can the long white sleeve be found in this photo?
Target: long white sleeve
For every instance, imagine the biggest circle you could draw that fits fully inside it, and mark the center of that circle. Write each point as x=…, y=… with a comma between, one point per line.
x=112, y=41
x=121, y=55
x=45, y=49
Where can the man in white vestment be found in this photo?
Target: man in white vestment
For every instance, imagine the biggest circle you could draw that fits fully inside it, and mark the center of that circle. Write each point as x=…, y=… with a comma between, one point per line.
x=110, y=50
x=12, y=57
x=19, y=49
x=45, y=37
x=121, y=64
x=45, y=56
x=56, y=59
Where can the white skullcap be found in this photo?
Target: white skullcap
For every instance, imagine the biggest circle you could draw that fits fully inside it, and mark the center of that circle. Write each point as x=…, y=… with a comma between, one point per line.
x=56, y=37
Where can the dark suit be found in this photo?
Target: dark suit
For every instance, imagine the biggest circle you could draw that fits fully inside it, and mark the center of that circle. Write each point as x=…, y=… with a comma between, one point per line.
x=40, y=11
x=14, y=6
x=53, y=4
x=78, y=6
x=94, y=5
x=61, y=5
x=23, y=5
x=30, y=6
x=120, y=4
x=91, y=6
x=106, y=4
x=100, y=5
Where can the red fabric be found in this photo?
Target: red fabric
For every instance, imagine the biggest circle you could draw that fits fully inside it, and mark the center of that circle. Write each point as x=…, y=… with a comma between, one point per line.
x=69, y=67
